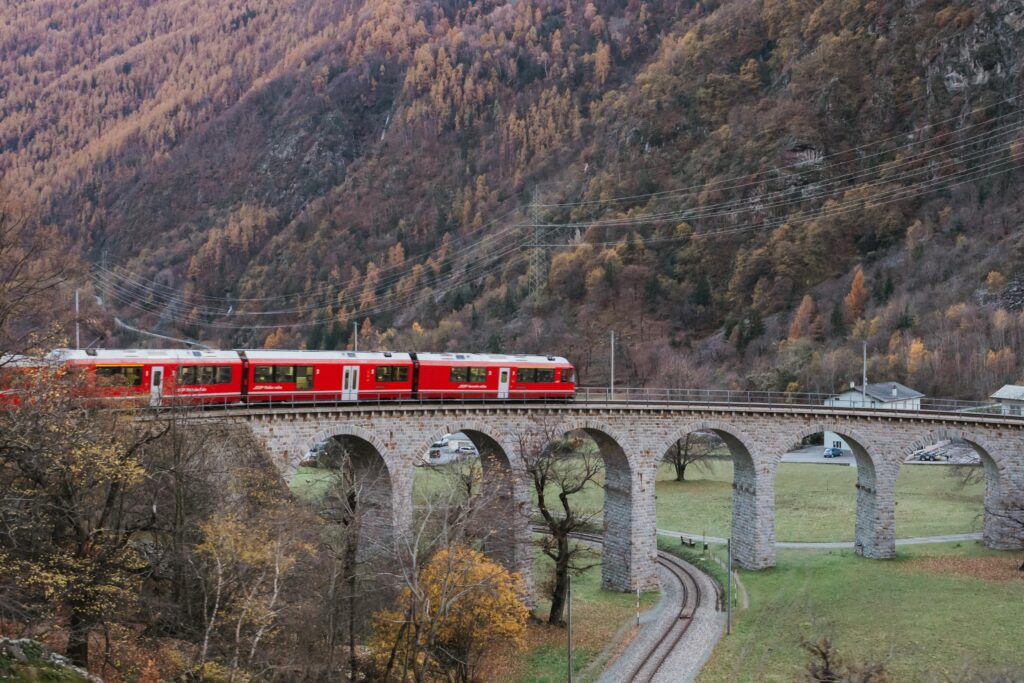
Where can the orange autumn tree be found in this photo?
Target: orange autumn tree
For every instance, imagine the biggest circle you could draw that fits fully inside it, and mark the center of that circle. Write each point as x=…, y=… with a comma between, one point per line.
x=857, y=298
x=458, y=607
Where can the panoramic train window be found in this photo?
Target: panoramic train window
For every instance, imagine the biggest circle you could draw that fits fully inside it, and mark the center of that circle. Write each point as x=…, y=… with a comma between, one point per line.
x=525, y=375
x=304, y=377
x=478, y=374
x=284, y=373
x=545, y=375
x=264, y=373
x=204, y=374
x=392, y=373
x=128, y=375
x=460, y=375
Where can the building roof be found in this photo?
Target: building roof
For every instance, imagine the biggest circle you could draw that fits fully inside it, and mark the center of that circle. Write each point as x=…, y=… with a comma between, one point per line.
x=887, y=392
x=883, y=392
x=1009, y=392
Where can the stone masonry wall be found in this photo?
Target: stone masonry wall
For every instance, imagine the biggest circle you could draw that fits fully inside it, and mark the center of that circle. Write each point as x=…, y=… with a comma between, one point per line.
x=634, y=439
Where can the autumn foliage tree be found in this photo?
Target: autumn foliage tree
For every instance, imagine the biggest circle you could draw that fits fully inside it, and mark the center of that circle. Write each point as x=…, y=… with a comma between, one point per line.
x=68, y=485
x=856, y=298
x=461, y=606
x=803, y=319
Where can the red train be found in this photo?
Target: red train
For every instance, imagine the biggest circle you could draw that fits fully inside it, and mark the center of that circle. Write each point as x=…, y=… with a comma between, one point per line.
x=165, y=377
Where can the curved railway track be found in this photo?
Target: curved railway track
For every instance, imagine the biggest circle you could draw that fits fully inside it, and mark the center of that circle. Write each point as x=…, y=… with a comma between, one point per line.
x=648, y=664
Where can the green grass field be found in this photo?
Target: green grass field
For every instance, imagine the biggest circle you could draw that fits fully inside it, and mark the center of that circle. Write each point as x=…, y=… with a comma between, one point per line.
x=818, y=502
x=923, y=623
x=923, y=615
x=812, y=502
x=598, y=616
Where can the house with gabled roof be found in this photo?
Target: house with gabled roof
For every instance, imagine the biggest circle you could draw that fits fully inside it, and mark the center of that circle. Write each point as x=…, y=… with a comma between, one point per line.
x=881, y=395
x=1010, y=399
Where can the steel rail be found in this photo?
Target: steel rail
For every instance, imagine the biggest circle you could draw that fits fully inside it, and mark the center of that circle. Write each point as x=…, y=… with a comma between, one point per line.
x=692, y=598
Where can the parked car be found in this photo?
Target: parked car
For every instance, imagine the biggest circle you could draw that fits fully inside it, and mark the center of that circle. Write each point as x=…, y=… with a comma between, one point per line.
x=930, y=457
x=833, y=453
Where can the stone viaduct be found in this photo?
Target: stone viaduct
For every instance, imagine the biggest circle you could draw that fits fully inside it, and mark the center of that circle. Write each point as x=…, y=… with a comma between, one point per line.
x=633, y=438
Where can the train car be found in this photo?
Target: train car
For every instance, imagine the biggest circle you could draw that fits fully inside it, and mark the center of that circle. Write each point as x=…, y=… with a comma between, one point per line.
x=158, y=376
x=493, y=377
x=324, y=376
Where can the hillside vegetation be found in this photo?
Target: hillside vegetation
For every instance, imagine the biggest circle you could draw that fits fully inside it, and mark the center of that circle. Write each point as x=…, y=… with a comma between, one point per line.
x=744, y=190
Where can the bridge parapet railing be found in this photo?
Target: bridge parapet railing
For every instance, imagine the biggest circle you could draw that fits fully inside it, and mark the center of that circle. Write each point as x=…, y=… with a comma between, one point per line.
x=650, y=396
x=589, y=395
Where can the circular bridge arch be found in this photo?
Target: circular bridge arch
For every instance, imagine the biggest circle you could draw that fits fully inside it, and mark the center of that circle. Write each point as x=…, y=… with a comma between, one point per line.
x=753, y=496
x=999, y=528
x=501, y=522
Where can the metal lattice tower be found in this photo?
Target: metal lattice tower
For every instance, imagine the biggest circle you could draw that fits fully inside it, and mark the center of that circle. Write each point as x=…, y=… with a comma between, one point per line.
x=538, y=257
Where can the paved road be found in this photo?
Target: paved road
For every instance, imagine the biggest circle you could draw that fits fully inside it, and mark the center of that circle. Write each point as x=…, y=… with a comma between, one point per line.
x=828, y=545
x=813, y=454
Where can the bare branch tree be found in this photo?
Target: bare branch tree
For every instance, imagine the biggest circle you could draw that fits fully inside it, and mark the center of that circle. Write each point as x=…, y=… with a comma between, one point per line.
x=559, y=466
x=33, y=265
x=693, y=449
x=826, y=666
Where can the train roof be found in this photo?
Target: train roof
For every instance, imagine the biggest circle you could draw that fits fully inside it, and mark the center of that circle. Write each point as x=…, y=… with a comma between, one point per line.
x=181, y=355
x=272, y=354
x=491, y=358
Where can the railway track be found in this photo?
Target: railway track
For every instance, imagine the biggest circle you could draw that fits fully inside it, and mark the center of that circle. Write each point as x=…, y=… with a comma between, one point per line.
x=650, y=663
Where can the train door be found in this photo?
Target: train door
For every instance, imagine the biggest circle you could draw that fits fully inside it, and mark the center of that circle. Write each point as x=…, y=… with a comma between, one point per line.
x=156, y=385
x=350, y=383
x=504, y=376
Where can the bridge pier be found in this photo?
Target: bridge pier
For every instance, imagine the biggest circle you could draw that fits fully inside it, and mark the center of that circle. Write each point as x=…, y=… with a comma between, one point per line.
x=506, y=520
x=632, y=438
x=1003, y=526
x=875, y=535
x=753, y=513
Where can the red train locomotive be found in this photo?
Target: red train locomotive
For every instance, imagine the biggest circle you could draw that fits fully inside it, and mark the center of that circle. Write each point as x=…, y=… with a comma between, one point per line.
x=169, y=377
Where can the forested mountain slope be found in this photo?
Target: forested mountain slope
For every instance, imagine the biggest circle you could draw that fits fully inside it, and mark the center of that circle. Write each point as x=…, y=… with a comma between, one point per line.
x=718, y=172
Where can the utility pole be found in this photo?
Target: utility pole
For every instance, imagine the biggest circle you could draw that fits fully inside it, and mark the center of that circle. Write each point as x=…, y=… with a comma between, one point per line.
x=78, y=334
x=355, y=335
x=728, y=591
x=864, y=376
x=612, y=373
x=568, y=625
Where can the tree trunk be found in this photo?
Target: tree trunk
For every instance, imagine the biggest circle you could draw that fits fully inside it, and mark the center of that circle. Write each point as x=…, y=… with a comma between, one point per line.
x=561, y=581
x=680, y=471
x=78, y=640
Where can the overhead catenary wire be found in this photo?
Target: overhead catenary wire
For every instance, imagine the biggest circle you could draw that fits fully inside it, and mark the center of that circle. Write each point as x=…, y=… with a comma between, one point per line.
x=724, y=208
x=759, y=203
x=176, y=302
x=127, y=288
x=702, y=187
x=898, y=195
x=776, y=169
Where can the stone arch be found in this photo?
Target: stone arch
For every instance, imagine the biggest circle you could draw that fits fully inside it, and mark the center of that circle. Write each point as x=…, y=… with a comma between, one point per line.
x=630, y=545
x=875, y=525
x=504, y=525
x=753, y=490
x=997, y=531
x=379, y=481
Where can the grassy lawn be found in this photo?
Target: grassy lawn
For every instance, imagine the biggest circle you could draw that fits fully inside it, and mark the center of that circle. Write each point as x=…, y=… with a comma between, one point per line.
x=812, y=502
x=818, y=502
x=926, y=615
x=310, y=484
x=597, y=615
